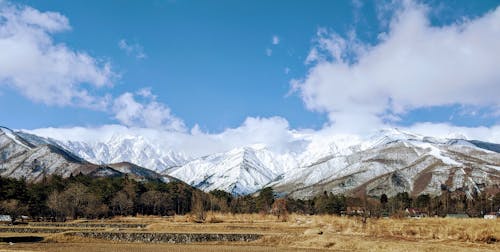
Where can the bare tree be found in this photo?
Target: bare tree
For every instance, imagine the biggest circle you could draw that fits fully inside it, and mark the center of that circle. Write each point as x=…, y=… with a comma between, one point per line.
x=279, y=209
x=57, y=205
x=197, y=207
x=76, y=201
x=122, y=204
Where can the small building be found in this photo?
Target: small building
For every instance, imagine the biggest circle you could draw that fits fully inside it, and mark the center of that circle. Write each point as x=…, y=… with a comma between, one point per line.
x=458, y=216
x=352, y=210
x=415, y=213
x=490, y=216
x=5, y=219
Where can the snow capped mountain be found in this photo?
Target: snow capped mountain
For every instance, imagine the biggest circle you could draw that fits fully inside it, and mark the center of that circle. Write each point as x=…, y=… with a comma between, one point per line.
x=387, y=161
x=393, y=161
x=344, y=164
x=120, y=148
x=239, y=171
x=21, y=158
x=33, y=157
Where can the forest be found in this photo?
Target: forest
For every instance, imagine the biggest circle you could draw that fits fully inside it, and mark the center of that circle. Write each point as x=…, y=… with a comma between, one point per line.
x=60, y=199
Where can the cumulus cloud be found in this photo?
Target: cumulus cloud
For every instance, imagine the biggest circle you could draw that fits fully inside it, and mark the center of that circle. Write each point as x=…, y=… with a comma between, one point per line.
x=413, y=65
x=43, y=70
x=146, y=113
x=53, y=74
x=134, y=49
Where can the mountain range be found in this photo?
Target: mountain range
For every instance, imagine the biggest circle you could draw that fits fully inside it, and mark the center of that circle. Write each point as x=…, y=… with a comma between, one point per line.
x=388, y=161
x=34, y=158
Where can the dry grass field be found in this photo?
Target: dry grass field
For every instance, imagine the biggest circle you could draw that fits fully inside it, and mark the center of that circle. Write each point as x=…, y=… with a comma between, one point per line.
x=298, y=233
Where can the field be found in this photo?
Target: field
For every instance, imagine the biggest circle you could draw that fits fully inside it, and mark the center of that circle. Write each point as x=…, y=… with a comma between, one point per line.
x=297, y=233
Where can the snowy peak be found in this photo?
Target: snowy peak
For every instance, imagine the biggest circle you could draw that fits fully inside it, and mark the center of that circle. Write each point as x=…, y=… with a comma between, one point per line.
x=387, y=136
x=386, y=161
x=20, y=158
x=344, y=165
x=239, y=171
x=125, y=148
x=402, y=164
x=34, y=158
x=15, y=138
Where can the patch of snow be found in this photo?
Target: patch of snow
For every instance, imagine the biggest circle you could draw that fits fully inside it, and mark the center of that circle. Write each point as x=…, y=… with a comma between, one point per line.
x=10, y=134
x=434, y=151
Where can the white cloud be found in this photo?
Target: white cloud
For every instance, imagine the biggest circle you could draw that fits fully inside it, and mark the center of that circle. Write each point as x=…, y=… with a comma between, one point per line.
x=357, y=84
x=42, y=70
x=275, y=40
x=147, y=113
x=135, y=49
x=488, y=134
x=53, y=74
x=273, y=132
x=414, y=65
x=146, y=93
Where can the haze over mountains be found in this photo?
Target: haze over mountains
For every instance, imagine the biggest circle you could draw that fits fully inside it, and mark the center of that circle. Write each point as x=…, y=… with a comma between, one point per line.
x=388, y=161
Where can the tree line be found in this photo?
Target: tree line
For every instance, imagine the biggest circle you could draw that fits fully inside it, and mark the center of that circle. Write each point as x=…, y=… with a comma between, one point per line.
x=58, y=199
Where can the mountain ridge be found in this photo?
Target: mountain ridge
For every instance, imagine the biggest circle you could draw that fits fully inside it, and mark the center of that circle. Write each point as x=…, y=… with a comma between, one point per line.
x=34, y=158
x=385, y=161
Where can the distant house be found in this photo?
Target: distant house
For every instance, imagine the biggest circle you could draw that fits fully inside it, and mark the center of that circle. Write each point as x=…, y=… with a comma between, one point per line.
x=458, y=216
x=415, y=213
x=491, y=216
x=353, y=211
x=5, y=219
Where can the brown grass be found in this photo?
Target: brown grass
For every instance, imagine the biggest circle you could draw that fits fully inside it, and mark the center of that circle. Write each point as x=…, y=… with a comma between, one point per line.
x=300, y=232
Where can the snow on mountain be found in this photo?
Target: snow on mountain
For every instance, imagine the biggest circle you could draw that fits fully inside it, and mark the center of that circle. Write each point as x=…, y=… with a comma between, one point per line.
x=120, y=148
x=31, y=157
x=393, y=161
x=343, y=164
x=20, y=158
x=388, y=161
x=239, y=171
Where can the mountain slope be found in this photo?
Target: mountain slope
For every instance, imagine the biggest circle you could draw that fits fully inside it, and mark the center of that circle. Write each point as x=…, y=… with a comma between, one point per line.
x=33, y=158
x=119, y=148
x=388, y=161
x=398, y=163
x=239, y=171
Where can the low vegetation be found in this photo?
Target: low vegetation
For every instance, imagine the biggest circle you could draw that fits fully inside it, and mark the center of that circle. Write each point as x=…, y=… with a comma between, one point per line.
x=57, y=207
x=298, y=233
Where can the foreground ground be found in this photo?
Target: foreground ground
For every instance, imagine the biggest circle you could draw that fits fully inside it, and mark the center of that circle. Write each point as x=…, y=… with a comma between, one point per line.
x=298, y=233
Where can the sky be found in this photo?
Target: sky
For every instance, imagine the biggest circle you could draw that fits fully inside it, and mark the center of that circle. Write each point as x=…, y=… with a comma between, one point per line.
x=213, y=67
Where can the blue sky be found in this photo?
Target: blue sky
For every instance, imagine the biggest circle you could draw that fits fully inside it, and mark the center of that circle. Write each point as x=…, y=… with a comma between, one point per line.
x=215, y=63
